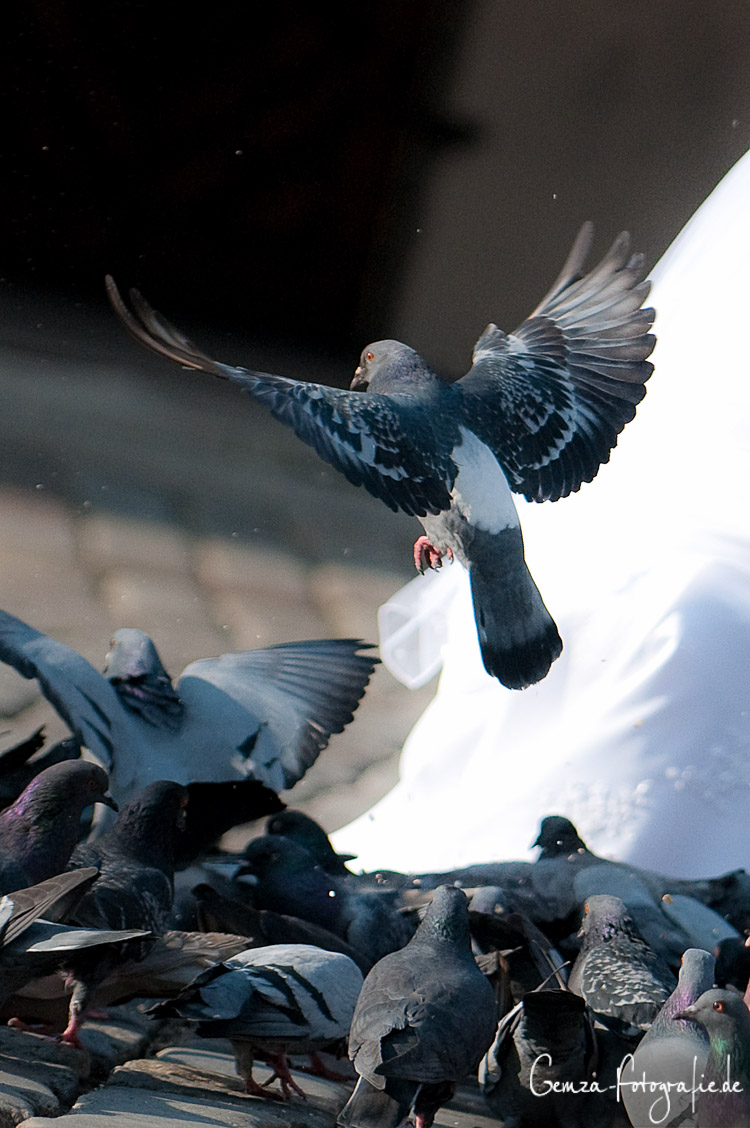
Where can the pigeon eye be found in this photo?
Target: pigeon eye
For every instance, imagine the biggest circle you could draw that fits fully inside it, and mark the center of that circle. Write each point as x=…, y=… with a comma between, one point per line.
x=718, y=1005
x=369, y=356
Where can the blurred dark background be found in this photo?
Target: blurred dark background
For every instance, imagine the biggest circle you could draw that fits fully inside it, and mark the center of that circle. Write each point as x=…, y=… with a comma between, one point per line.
x=325, y=174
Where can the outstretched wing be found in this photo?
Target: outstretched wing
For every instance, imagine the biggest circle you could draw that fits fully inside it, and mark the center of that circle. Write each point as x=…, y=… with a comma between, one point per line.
x=550, y=399
x=386, y=443
x=80, y=694
x=269, y=713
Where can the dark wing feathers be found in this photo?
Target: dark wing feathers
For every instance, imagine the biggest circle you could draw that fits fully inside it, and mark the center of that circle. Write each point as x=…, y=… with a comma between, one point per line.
x=551, y=399
x=385, y=443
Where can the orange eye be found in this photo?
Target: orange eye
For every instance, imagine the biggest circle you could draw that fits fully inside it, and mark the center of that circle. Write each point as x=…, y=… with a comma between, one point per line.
x=718, y=1005
x=369, y=356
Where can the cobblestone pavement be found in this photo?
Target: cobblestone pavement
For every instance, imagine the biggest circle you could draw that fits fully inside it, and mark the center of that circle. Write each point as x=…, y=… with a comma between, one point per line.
x=133, y=493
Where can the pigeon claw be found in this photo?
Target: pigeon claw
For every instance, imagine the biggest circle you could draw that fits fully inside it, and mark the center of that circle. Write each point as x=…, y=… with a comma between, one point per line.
x=280, y=1067
x=426, y=555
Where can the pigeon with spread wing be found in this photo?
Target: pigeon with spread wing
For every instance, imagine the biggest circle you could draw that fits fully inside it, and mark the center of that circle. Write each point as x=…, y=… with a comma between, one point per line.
x=537, y=414
x=258, y=714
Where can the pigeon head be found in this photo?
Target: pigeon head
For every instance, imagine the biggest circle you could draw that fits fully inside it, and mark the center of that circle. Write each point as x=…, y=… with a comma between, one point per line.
x=696, y=976
x=132, y=654
x=446, y=919
x=290, y=880
x=144, y=687
x=389, y=366
x=42, y=827
x=558, y=837
x=303, y=830
x=721, y=1012
x=150, y=826
x=605, y=918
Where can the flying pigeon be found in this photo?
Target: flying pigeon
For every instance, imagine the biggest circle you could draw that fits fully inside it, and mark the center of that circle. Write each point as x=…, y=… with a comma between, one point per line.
x=724, y=1099
x=260, y=714
x=673, y=1051
x=40, y=830
x=537, y=414
x=271, y=1001
x=623, y=981
x=423, y=1021
x=135, y=887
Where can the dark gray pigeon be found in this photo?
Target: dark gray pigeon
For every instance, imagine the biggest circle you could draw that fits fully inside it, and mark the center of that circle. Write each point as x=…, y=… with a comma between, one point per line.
x=270, y=1002
x=306, y=832
x=423, y=1021
x=672, y=1052
x=135, y=887
x=724, y=1099
x=623, y=980
x=260, y=714
x=290, y=881
x=537, y=414
x=546, y=1041
x=40, y=830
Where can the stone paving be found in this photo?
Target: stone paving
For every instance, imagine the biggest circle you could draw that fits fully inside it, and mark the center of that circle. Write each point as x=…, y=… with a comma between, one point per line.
x=132, y=493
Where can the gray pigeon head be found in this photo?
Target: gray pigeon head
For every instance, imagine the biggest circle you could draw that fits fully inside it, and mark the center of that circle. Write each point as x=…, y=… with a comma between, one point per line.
x=721, y=1012
x=604, y=918
x=557, y=837
x=446, y=918
x=65, y=788
x=132, y=654
x=390, y=366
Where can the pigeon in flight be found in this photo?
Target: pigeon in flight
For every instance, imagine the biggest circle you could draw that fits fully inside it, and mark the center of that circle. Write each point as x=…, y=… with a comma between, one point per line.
x=260, y=714
x=537, y=414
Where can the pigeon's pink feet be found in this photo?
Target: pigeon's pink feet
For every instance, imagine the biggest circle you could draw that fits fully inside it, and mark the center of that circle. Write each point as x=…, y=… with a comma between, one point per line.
x=255, y=1090
x=427, y=556
x=318, y=1068
x=280, y=1067
x=70, y=1034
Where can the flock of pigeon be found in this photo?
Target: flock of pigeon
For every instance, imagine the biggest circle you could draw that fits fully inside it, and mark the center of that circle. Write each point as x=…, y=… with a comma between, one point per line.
x=580, y=991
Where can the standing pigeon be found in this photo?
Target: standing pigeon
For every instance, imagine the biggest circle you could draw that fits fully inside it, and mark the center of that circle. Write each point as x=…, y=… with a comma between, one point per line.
x=271, y=1001
x=135, y=887
x=424, y=1019
x=537, y=414
x=623, y=981
x=261, y=714
x=40, y=830
x=724, y=1098
x=290, y=881
x=674, y=1050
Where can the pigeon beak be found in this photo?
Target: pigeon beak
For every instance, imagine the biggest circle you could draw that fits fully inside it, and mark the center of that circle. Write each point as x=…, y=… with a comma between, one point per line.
x=688, y=1013
x=359, y=383
x=108, y=801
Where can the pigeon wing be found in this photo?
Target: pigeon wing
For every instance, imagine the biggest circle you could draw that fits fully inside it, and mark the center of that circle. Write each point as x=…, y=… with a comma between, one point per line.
x=387, y=443
x=551, y=399
x=269, y=713
x=80, y=694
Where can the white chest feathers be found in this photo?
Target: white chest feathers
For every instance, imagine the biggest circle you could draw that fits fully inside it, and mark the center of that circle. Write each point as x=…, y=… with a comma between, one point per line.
x=481, y=493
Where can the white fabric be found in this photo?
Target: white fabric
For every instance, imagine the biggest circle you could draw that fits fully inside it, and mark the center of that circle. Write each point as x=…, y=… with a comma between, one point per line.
x=641, y=731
